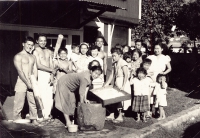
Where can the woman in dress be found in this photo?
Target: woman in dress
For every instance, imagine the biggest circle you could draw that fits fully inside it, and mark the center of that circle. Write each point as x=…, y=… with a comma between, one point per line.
x=70, y=84
x=160, y=61
x=84, y=59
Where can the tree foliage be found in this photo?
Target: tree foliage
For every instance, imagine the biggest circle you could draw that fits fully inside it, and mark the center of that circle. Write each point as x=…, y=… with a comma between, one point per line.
x=188, y=19
x=158, y=17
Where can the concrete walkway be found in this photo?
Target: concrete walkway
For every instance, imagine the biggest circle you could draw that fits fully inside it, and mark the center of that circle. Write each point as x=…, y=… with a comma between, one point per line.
x=56, y=129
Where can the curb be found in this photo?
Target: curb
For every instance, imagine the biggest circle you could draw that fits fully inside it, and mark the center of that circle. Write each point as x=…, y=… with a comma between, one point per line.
x=168, y=123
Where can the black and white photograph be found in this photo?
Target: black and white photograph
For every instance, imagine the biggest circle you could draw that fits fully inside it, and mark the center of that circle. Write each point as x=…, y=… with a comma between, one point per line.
x=99, y=68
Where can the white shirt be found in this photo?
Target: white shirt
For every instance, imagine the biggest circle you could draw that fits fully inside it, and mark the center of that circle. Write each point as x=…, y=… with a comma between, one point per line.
x=74, y=57
x=158, y=65
x=159, y=92
x=141, y=87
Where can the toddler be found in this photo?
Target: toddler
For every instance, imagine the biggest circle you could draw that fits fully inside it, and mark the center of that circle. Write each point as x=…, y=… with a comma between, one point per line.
x=160, y=95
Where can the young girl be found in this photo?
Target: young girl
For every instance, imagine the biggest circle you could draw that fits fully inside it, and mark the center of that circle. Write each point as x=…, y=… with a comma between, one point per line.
x=141, y=91
x=62, y=65
x=146, y=65
x=94, y=50
x=127, y=58
x=126, y=49
x=136, y=61
x=160, y=94
x=84, y=59
x=120, y=75
x=160, y=62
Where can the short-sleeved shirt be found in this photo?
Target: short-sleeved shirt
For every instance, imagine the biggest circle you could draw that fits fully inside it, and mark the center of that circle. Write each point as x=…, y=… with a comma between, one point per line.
x=135, y=65
x=74, y=57
x=76, y=81
x=118, y=71
x=159, y=92
x=141, y=87
x=159, y=64
x=83, y=62
x=98, y=59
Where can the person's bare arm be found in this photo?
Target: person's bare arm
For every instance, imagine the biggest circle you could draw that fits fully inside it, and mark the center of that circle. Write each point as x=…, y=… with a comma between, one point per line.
x=75, y=66
x=125, y=72
x=35, y=71
x=105, y=63
x=85, y=97
x=51, y=60
x=109, y=79
x=70, y=66
x=169, y=69
x=18, y=65
x=39, y=65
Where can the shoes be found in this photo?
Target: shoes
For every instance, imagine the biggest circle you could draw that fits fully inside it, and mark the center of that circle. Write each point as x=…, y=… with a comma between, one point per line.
x=110, y=117
x=138, y=120
x=118, y=121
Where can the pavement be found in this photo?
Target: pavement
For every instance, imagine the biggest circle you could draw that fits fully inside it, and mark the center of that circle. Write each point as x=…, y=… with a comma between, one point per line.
x=56, y=129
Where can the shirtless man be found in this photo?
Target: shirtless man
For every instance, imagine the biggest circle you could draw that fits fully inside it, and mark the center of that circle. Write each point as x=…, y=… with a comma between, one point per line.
x=45, y=69
x=25, y=63
x=100, y=43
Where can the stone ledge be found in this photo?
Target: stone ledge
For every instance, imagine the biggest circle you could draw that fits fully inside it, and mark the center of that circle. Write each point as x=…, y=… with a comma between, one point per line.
x=169, y=122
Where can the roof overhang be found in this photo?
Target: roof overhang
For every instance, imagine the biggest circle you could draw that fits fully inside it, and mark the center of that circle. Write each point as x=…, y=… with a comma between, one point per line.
x=51, y=13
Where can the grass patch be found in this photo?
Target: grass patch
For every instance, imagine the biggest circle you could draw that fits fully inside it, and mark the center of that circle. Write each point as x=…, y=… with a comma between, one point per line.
x=177, y=102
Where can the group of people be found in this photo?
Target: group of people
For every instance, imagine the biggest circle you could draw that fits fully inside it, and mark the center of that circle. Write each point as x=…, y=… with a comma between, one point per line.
x=143, y=76
x=85, y=64
x=70, y=78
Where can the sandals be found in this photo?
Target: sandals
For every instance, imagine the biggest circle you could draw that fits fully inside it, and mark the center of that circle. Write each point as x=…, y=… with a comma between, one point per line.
x=144, y=120
x=49, y=119
x=109, y=118
x=148, y=117
x=39, y=124
x=138, y=120
x=117, y=121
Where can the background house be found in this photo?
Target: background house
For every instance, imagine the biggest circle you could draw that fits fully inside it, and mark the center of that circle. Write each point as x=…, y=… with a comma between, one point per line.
x=77, y=20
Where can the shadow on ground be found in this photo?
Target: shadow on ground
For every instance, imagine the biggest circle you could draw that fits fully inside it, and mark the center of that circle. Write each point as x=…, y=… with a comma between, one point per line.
x=191, y=131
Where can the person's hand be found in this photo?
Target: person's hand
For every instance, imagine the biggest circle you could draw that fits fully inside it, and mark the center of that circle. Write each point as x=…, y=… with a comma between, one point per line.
x=121, y=88
x=87, y=101
x=29, y=86
x=51, y=80
x=54, y=71
x=163, y=73
x=105, y=85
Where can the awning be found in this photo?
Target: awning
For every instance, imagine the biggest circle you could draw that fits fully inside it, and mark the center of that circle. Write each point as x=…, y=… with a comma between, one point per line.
x=51, y=13
x=96, y=5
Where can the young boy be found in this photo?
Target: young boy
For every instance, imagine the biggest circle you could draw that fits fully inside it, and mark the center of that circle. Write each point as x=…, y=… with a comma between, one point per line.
x=119, y=74
x=146, y=65
x=75, y=56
